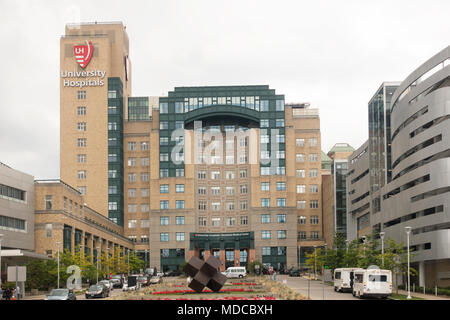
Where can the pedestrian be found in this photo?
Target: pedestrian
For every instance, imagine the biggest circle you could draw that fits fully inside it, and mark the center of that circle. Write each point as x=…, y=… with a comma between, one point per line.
x=274, y=275
x=1, y=293
x=8, y=294
x=18, y=296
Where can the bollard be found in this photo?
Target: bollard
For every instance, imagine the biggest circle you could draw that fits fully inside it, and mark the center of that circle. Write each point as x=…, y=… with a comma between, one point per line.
x=435, y=291
x=424, y=289
x=414, y=287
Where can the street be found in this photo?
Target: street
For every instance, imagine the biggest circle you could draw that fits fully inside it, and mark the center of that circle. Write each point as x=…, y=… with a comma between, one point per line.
x=317, y=290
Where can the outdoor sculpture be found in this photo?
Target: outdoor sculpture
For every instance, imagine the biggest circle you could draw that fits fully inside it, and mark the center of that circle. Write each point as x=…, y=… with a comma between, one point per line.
x=205, y=274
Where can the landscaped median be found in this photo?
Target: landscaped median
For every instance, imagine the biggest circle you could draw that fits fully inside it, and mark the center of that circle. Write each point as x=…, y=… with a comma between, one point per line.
x=255, y=288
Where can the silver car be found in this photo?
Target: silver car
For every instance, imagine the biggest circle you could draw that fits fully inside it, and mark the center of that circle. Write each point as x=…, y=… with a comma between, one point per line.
x=61, y=294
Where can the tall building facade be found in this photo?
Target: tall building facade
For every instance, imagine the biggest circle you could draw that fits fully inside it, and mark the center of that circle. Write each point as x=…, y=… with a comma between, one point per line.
x=202, y=171
x=415, y=192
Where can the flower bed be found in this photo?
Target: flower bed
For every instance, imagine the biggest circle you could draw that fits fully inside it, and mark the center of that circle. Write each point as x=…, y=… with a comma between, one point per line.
x=222, y=298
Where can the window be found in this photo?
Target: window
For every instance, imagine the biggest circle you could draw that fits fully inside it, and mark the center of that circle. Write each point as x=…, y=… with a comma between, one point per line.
x=164, y=237
x=145, y=176
x=264, y=105
x=131, y=177
x=301, y=188
x=112, y=94
x=281, y=234
x=179, y=188
x=202, y=205
x=81, y=142
x=301, y=235
x=279, y=105
x=163, y=125
x=132, y=208
x=145, y=207
x=215, y=190
x=244, y=220
x=82, y=174
x=301, y=204
x=179, y=124
x=243, y=189
x=229, y=175
x=201, y=190
x=81, y=95
x=265, y=154
x=244, y=205
x=229, y=191
x=164, y=188
x=265, y=251
x=163, y=157
x=112, y=126
x=163, y=173
x=215, y=222
x=179, y=172
x=264, y=138
x=144, y=145
x=164, y=204
x=314, y=220
x=312, y=142
x=281, y=218
x=314, y=204
x=264, y=123
x=180, y=236
x=265, y=171
x=265, y=235
x=81, y=111
x=48, y=230
x=314, y=235
x=179, y=204
x=281, y=186
x=112, y=189
x=179, y=107
x=300, y=157
x=215, y=175
x=48, y=202
x=265, y=218
x=202, y=221
x=265, y=186
x=163, y=107
x=145, y=192
x=313, y=157
x=132, y=224
x=112, y=109
x=301, y=220
x=81, y=158
x=131, y=193
x=164, y=221
x=82, y=190
x=300, y=142
x=132, y=146
x=281, y=154
x=179, y=220
x=300, y=173
x=281, y=202
x=215, y=206
x=231, y=221
x=112, y=157
x=242, y=174
x=132, y=238
x=163, y=141
x=144, y=239
x=131, y=162
x=313, y=188
x=145, y=162
x=81, y=126
x=313, y=173
x=279, y=138
x=265, y=202
x=229, y=206
x=279, y=123
x=112, y=142
x=201, y=175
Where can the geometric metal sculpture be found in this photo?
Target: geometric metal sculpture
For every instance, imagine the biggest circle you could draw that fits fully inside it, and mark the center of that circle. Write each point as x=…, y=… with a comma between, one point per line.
x=205, y=274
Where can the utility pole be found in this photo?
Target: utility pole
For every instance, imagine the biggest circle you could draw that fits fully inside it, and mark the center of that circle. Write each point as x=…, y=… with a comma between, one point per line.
x=408, y=230
x=57, y=245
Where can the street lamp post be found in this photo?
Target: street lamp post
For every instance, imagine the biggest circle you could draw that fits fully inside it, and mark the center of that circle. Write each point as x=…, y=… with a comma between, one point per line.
x=364, y=245
x=107, y=263
x=315, y=269
x=382, y=248
x=98, y=248
x=1, y=238
x=57, y=245
x=408, y=230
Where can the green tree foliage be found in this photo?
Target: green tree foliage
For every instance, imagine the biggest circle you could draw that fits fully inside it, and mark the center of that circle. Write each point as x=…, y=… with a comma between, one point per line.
x=252, y=264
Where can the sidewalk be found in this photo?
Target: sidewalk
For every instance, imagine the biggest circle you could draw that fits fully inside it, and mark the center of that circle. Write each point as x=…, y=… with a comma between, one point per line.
x=423, y=296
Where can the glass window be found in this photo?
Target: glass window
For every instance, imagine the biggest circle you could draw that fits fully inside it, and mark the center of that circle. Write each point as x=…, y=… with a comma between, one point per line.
x=281, y=186
x=313, y=142
x=280, y=105
x=265, y=186
x=313, y=188
x=180, y=236
x=164, y=188
x=179, y=220
x=281, y=218
x=264, y=123
x=132, y=224
x=314, y=219
x=164, y=237
x=301, y=188
x=301, y=220
x=265, y=235
x=281, y=234
x=163, y=125
x=163, y=107
x=313, y=157
x=265, y=218
x=164, y=221
x=265, y=202
x=163, y=141
x=300, y=142
x=179, y=188
x=164, y=204
x=179, y=204
x=281, y=202
x=279, y=123
x=300, y=157
x=163, y=173
x=264, y=105
x=300, y=173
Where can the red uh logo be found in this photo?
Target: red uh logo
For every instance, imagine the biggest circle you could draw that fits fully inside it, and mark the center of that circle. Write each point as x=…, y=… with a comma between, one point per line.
x=83, y=54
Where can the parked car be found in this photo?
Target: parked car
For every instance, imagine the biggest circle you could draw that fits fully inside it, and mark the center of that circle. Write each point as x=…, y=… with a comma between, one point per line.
x=143, y=281
x=160, y=274
x=155, y=280
x=131, y=284
x=61, y=294
x=117, y=281
x=344, y=279
x=235, y=272
x=172, y=273
x=294, y=273
x=107, y=283
x=372, y=283
x=97, y=291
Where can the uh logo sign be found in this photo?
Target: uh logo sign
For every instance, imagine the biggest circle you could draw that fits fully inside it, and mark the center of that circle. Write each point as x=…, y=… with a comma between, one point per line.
x=83, y=53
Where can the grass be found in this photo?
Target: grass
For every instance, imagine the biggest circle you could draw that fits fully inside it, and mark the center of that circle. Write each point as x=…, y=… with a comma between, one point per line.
x=403, y=297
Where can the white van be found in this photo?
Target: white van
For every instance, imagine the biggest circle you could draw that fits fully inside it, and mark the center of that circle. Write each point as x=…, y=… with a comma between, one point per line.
x=372, y=283
x=235, y=272
x=344, y=278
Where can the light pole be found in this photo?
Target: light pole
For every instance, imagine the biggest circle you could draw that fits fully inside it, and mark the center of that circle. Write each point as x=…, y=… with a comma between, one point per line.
x=98, y=248
x=364, y=238
x=57, y=245
x=1, y=238
x=107, y=263
x=382, y=248
x=408, y=230
x=128, y=261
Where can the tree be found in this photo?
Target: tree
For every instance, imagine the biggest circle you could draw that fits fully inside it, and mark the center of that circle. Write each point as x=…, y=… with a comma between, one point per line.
x=252, y=264
x=315, y=259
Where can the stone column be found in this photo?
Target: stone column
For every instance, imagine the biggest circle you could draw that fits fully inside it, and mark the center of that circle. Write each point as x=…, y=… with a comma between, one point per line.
x=422, y=274
x=237, y=254
x=222, y=259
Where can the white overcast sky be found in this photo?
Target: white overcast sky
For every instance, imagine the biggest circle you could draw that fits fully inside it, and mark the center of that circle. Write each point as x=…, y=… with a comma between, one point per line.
x=333, y=54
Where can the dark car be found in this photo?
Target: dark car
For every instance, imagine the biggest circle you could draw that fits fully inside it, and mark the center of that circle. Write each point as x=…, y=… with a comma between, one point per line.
x=61, y=294
x=117, y=281
x=294, y=273
x=172, y=273
x=97, y=291
x=143, y=281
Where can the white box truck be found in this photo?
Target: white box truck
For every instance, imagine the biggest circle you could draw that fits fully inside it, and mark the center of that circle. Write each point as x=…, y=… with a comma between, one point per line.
x=372, y=283
x=344, y=278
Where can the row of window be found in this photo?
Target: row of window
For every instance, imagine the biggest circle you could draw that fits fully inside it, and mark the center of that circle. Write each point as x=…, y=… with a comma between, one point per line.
x=145, y=223
x=300, y=142
x=13, y=223
x=251, y=102
x=132, y=146
x=215, y=190
x=313, y=235
x=144, y=177
x=11, y=192
x=145, y=207
x=215, y=206
x=164, y=204
x=301, y=157
x=216, y=174
x=145, y=162
x=216, y=221
x=144, y=239
x=164, y=173
x=265, y=202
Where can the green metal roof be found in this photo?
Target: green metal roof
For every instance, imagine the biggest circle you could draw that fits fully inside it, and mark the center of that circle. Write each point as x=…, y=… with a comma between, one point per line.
x=341, y=147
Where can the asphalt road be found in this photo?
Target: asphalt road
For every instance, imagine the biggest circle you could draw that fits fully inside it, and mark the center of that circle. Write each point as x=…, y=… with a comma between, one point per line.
x=316, y=290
